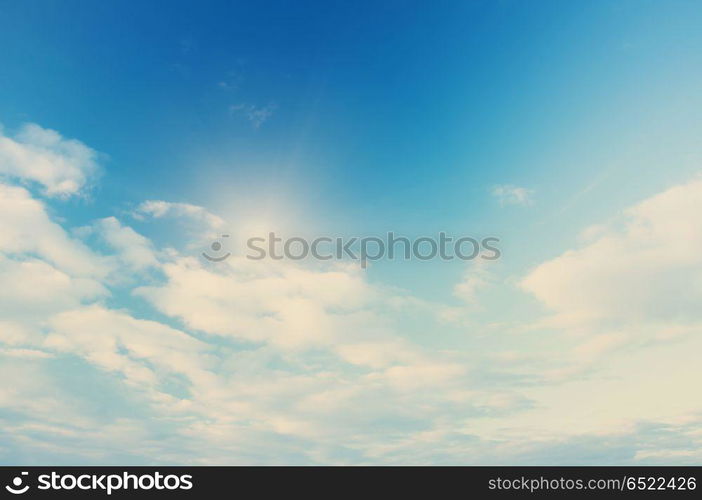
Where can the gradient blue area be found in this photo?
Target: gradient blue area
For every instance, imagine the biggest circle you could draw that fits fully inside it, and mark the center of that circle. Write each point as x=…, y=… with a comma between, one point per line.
x=373, y=100
x=394, y=116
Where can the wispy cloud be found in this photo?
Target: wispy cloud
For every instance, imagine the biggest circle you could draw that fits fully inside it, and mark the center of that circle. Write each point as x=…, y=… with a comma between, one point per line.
x=508, y=194
x=256, y=115
x=159, y=208
x=231, y=81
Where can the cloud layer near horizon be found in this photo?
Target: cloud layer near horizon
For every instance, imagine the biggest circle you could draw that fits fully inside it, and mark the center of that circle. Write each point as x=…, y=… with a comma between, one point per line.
x=122, y=350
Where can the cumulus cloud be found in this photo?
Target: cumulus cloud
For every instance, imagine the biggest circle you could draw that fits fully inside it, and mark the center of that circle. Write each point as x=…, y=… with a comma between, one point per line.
x=279, y=303
x=644, y=268
x=26, y=228
x=39, y=288
x=62, y=167
x=134, y=250
x=260, y=362
x=323, y=374
x=325, y=331
x=143, y=351
x=508, y=194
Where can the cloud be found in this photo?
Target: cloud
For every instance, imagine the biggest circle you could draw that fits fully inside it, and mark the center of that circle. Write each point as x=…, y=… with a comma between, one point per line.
x=63, y=167
x=643, y=269
x=26, y=228
x=508, y=194
x=256, y=115
x=279, y=362
x=39, y=288
x=143, y=351
x=283, y=304
x=320, y=342
x=160, y=209
x=476, y=279
x=134, y=250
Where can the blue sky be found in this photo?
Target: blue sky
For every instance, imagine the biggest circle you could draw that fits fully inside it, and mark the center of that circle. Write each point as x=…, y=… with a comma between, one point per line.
x=569, y=130
x=408, y=115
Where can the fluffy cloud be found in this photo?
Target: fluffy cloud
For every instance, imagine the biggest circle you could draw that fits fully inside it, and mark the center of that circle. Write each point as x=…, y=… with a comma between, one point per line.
x=133, y=250
x=321, y=341
x=37, y=155
x=644, y=268
x=260, y=362
x=144, y=352
x=34, y=286
x=283, y=304
x=625, y=301
x=26, y=228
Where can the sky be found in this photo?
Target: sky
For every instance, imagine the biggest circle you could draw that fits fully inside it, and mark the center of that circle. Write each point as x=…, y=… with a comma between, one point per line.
x=133, y=135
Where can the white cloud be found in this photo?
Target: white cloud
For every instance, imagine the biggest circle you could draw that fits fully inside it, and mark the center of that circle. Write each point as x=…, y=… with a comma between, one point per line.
x=262, y=362
x=134, y=250
x=141, y=350
x=284, y=304
x=476, y=279
x=644, y=269
x=35, y=287
x=508, y=194
x=61, y=166
x=320, y=327
x=26, y=228
x=198, y=215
